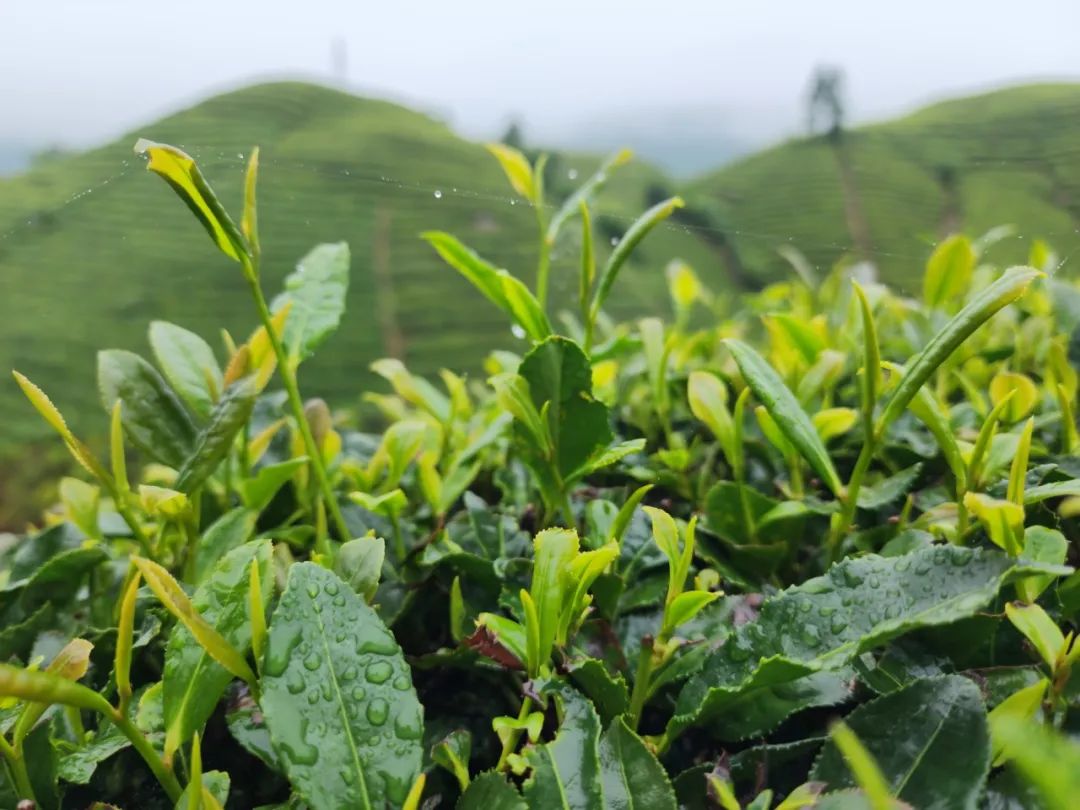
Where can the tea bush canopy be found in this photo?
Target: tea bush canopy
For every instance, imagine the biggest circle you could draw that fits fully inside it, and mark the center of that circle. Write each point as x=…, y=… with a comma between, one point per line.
x=808, y=547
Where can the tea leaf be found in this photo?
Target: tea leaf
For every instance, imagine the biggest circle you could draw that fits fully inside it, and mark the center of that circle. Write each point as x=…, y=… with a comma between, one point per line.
x=498, y=286
x=215, y=440
x=49, y=688
x=516, y=168
x=333, y=681
x=1001, y=293
x=179, y=170
x=857, y=605
x=71, y=663
x=188, y=364
x=558, y=375
x=585, y=192
x=316, y=292
x=491, y=791
x=194, y=677
x=936, y=717
x=172, y=596
x=948, y=272
x=785, y=411
x=155, y=420
x=581, y=768
x=1048, y=760
x=634, y=234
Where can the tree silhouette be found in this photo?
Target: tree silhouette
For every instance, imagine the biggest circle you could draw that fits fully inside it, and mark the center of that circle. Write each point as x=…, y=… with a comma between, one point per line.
x=825, y=102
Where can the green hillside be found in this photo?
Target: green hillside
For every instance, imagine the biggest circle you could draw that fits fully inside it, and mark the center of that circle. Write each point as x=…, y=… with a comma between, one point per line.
x=92, y=249
x=1008, y=157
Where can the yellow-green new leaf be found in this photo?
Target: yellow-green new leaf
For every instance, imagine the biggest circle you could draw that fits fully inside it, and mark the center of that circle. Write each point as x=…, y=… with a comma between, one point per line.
x=249, y=221
x=49, y=688
x=1022, y=705
x=125, y=633
x=172, y=596
x=863, y=767
x=516, y=168
x=179, y=170
x=948, y=272
x=708, y=398
x=1003, y=520
x=70, y=664
x=1021, y=392
x=634, y=234
x=871, y=370
x=1038, y=628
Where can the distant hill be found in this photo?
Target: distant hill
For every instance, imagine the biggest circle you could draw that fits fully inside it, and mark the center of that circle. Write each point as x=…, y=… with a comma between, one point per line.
x=92, y=248
x=888, y=191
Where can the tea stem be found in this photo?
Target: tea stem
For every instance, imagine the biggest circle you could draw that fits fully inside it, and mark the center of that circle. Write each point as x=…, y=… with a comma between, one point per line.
x=292, y=391
x=642, y=676
x=514, y=736
x=139, y=742
x=18, y=770
x=851, y=496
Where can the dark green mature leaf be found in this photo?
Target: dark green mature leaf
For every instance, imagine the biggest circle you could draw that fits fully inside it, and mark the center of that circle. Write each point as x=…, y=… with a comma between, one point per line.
x=760, y=711
x=78, y=765
x=606, y=688
x=214, y=441
x=248, y=727
x=229, y=531
x=359, y=562
x=930, y=740
x=491, y=791
x=632, y=778
x=189, y=365
x=338, y=696
x=558, y=372
x=317, y=291
x=888, y=490
x=42, y=767
x=858, y=604
x=193, y=680
x=257, y=492
x=155, y=420
x=785, y=410
x=582, y=769
x=57, y=579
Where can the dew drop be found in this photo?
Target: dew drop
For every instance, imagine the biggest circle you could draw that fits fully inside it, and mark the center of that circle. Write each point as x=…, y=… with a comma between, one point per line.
x=402, y=682
x=311, y=663
x=438, y=194
x=381, y=644
x=331, y=588
x=377, y=711
x=312, y=590
x=379, y=672
x=839, y=624
x=572, y=174
x=517, y=332
x=347, y=776
x=279, y=651
x=295, y=682
x=339, y=600
x=313, y=697
x=614, y=241
x=349, y=674
x=408, y=726
x=358, y=693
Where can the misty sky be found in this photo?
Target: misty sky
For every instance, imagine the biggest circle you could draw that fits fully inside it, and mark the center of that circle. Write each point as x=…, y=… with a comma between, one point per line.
x=77, y=72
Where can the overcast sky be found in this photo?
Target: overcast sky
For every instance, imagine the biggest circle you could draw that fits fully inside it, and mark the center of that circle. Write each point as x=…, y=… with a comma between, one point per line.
x=77, y=72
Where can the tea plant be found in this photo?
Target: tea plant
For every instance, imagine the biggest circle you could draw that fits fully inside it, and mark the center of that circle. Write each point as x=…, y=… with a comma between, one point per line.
x=807, y=549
